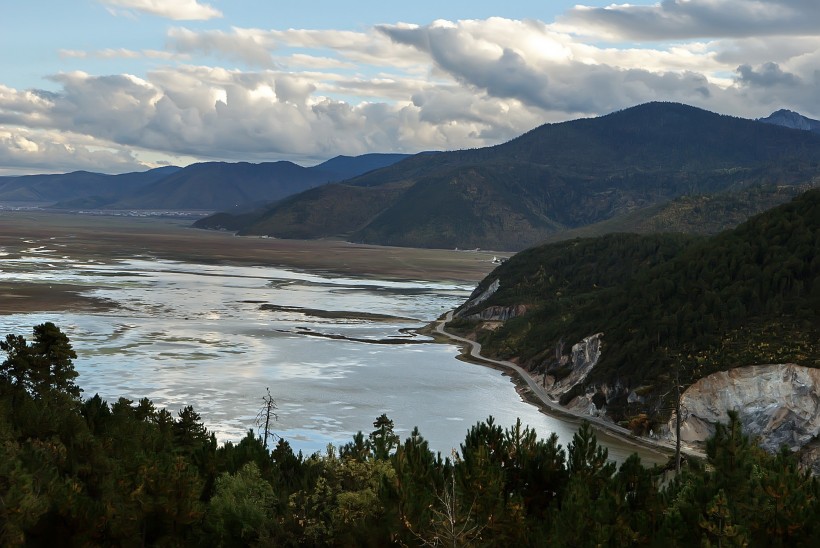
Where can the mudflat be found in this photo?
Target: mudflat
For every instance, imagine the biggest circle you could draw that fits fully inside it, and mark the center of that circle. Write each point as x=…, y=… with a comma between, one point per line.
x=109, y=238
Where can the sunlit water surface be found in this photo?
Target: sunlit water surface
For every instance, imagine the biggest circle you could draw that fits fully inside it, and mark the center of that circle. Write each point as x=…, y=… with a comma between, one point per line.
x=189, y=334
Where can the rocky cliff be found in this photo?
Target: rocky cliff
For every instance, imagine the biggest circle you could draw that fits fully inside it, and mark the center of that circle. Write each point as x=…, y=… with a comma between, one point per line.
x=780, y=404
x=791, y=119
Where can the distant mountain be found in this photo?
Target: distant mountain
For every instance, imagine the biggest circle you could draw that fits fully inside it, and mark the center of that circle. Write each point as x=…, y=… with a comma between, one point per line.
x=791, y=119
x=224, y=186
x=552, y=179
x=220, y=185
x=78, y=185
x=207, y=186
x=347, y=167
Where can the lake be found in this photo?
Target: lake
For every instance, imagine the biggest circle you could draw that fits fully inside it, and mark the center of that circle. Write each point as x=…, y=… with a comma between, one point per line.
x=336, y=352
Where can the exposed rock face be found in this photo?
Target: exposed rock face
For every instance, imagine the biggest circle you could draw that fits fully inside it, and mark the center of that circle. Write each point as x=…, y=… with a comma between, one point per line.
x=778, y=403
x=585, y=356
x=476, y=300
x=499, y=313
x=791, y=119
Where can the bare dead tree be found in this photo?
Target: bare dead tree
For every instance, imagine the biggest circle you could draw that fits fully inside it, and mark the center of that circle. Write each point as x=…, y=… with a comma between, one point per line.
x=450, y=525
x=266, y=413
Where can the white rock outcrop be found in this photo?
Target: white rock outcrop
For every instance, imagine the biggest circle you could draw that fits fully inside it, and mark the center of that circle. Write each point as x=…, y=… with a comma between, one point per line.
x=585, y=356
x=499, y=313
x=780, y=404
x=476, y=300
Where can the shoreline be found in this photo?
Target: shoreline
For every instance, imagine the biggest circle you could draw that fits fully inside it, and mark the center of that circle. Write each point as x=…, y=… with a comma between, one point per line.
x=530, y=391
x=90, y=238
x=113, y=239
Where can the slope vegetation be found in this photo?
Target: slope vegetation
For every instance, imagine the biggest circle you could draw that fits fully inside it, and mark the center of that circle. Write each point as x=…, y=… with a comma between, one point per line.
x=663, y=302
x=82, y=186
x=569, y=175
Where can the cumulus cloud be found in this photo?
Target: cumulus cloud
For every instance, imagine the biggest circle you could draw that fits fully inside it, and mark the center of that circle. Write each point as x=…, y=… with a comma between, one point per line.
x=22, y=150
x=256, y=47
x=686, y=19
x=541, y=68
x=308, y=94
x=172, y=9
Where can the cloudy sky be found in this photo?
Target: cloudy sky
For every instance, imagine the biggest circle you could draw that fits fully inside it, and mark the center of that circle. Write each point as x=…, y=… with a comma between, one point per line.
x=125, y=85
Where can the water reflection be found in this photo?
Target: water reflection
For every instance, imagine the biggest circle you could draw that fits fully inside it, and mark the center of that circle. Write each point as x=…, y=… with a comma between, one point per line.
x=188, y=334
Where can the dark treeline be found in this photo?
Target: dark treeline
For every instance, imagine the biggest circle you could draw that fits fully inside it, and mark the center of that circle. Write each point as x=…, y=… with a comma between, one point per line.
x=81, y=472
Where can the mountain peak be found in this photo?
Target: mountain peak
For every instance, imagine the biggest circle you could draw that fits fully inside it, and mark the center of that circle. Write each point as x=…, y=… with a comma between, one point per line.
x=791, y=119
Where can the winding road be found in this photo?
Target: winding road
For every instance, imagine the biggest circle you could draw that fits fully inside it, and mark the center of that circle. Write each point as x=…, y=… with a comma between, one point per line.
x=553, y=407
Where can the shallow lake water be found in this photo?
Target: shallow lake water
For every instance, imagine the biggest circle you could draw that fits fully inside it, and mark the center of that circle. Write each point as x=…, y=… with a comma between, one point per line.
x=216, y=336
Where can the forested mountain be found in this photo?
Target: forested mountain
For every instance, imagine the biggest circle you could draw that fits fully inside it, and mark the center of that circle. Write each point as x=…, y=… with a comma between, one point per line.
x=206, y=186
x=554, y=178
x=215, y=185
x=701, y=304
x=83, y=472
x=692, y=214
x=77, y=185
x=212, y=185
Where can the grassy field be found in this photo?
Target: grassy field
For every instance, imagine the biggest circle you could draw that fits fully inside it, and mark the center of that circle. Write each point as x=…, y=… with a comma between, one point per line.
x=106, y=238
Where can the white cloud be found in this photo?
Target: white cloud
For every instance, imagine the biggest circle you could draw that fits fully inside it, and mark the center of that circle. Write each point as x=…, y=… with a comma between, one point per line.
x=172, y=9
x=249, y=46
x=22, y=150
x=255, y=46
x=310, y=94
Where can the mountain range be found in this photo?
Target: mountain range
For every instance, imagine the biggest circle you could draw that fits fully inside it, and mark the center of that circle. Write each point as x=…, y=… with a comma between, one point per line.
x=211, y=186
x=553, y=179
x=653, y=167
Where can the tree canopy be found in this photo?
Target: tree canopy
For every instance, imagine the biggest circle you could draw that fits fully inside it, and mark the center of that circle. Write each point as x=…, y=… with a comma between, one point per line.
x=85, y=472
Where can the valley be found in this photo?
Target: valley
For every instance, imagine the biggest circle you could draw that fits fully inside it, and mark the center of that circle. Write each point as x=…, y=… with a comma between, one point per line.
x=106, y=238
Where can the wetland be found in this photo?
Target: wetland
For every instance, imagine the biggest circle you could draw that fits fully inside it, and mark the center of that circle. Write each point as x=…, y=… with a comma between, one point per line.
x=185, y=317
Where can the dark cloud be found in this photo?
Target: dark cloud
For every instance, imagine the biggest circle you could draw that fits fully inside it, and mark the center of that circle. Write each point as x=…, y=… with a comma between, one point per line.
x=560, y=85
x=687, y=19
x=767, y=75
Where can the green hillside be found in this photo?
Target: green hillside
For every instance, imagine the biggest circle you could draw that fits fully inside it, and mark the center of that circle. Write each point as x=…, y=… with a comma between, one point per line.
x=692, y=214
x=332, y=210
x=704, y=304
x=566, y=176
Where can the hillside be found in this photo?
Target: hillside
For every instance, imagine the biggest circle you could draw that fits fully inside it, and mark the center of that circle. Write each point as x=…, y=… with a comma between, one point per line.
x=221, y=186
x=705, y=304
x=78, y=185
x=702, y=214
x=306, y=218
x=560, y=177
x=206, y=186
x=215, y=185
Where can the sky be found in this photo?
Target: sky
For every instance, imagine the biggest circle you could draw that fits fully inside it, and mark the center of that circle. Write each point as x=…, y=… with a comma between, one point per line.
x=126, y=85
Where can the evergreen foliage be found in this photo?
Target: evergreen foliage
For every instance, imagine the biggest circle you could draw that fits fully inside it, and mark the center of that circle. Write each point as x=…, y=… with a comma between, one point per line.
x=87, y=473
x=743, y=297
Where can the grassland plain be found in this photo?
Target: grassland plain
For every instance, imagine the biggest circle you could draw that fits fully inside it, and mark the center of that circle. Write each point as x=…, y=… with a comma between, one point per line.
x=108, y=238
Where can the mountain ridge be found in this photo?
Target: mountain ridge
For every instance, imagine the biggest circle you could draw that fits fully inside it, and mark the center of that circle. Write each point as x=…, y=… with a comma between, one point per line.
x=791, y=119
x=199, y=186
x=558, y=177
